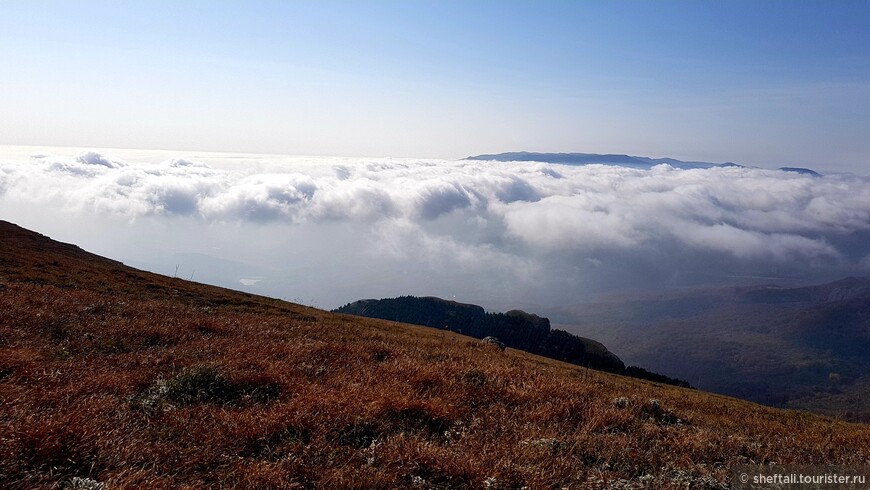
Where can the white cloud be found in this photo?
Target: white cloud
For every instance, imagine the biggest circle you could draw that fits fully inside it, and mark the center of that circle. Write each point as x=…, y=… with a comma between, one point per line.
x=741, y=243
x=480, y=215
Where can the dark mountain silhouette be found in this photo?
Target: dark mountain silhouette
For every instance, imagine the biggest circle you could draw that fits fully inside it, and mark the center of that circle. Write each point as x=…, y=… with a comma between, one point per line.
x=516, y=329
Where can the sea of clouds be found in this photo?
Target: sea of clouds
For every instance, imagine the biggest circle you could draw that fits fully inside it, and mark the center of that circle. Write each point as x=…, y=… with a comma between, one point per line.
x=331, y=230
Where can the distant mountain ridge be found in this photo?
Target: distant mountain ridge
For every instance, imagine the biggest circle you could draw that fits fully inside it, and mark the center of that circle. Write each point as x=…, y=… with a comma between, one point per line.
x=615, y=159
x=801, y=170
x=596, y=158
x=806, y=347
x=516, y=328
x=844, y=289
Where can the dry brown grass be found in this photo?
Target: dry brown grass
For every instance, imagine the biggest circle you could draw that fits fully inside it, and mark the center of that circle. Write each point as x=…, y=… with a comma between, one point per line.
x=201, y=387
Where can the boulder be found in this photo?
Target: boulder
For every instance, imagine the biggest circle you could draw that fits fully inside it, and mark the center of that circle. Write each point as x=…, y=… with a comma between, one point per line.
x=494, y=341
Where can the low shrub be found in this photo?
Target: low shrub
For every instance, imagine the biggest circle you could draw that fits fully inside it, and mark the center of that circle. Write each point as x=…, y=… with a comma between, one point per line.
x=207, y=384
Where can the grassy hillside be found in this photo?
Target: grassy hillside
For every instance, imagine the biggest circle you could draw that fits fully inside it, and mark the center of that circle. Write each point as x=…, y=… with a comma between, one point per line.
x=140, y=381
x=804, y=347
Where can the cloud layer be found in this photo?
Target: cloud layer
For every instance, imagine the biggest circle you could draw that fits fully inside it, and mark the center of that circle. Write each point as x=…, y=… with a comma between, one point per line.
x=538, y=220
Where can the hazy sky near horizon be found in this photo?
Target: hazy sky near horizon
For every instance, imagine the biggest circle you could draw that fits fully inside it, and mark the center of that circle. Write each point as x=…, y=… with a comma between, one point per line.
x=759, y=83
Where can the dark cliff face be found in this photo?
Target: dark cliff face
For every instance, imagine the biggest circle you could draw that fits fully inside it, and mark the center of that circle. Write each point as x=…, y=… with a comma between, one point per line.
x=516, y=328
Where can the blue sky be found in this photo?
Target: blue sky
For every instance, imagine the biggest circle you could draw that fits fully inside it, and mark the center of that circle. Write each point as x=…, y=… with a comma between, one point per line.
x=763, y=83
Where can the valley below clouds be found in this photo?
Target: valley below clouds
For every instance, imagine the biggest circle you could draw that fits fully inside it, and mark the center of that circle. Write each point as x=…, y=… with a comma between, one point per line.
x=326, y=231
